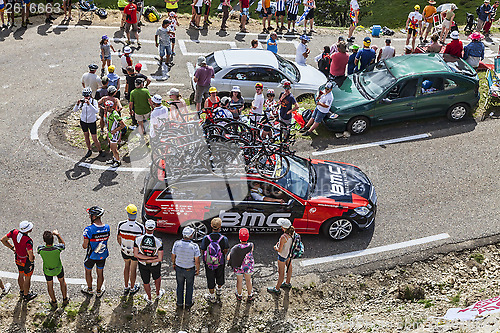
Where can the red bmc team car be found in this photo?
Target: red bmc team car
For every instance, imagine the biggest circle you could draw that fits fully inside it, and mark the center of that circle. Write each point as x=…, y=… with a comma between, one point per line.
x=315, y=195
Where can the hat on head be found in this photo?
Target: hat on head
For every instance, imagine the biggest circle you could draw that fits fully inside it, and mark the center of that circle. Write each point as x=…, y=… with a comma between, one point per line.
x=127, y=49
x=131, y=211
x=202, y=60
x=454, y=35
x=212, y=90
x=25, y=226
x=486, y=1
x=216, y=223
x=285, y=223
x=408, y=47
x=156, y=99
x=270, y=92
x=354, y=47
x=150, y=224
x=139, y=81
x=105, y=80
x=476, y=36
x=111, y=69
x=367, y=41
x=187, y=232
x=93, y=67
x=111, y=89
x=432, y=2
x=236, y=89
x=340, y=38
x=172, y=14
x=417, y=7
x=244, y=234
x=305, y=37
x=105, y=37
x=138, y=67
x=329, y=85
x=173, y=91
x=388, y=41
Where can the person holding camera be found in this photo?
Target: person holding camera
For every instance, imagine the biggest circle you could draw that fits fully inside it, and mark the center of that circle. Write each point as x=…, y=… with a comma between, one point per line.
x=88, y=118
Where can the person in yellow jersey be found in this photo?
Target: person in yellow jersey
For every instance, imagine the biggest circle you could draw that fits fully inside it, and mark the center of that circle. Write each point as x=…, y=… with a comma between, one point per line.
x=172, y=5
x=121, y=6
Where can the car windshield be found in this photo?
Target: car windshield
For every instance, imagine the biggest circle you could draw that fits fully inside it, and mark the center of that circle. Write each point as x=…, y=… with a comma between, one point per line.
x=288, y=68
x=376, y=79
x=211, y=62
x=297, y=179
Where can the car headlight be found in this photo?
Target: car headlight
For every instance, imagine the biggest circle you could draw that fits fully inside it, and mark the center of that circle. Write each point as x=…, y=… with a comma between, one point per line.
x=363, y=211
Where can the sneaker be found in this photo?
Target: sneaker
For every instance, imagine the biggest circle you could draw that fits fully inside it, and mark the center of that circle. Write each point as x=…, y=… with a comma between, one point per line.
x=138, y=44
x=6, y=288
x=312, y=31
x=101, y=292
x=270, y=28
x=53, y=305
x=191, y=24
x=135, y=288
x=286, y=285
x=116, y=164
x=86, y=290
x=126, y=291
x=47, y=20
x=251, y=297
x=160, y=294
x=188, y=307
x=146, y=298
x=4, y=26
x=210, y=298
x=273, y=290
x=218, y=291
x=111, y=161
x=21, y=293
x=29, y=297
x=65, y=301
x=89, y=153
x=238, y=297
x=128, y=42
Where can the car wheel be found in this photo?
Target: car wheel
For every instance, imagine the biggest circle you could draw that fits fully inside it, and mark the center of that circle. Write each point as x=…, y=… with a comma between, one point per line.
x=358, y=125
x=301, y=98
x=457, y=112
x=200, y=229
x=338, y=229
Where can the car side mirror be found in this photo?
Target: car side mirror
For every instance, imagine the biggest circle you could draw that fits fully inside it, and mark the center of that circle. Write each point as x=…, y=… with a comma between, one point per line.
x=385, y=101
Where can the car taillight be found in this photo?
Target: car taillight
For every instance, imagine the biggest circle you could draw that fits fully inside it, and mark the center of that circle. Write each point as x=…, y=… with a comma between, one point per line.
x=151, y=209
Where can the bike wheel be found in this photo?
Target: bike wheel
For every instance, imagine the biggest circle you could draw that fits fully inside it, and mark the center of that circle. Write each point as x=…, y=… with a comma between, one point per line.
x=271, y=166
x=239, y=130
x=211, y=130
x=226, y=159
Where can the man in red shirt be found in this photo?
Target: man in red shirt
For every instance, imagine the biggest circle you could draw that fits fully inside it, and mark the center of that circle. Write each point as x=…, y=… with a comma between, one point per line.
x=25, y=260
x=131, y=21
x=454, y=49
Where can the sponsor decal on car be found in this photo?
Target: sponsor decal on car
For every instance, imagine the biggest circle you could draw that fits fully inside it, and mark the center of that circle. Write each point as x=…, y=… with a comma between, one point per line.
x=247, y=219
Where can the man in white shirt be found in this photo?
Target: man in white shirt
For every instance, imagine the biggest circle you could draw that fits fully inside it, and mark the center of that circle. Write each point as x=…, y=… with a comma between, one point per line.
x=159, y=112
x=258, y=103
x=323, y=105
x=91, y=79
x=387, y=51
x=302, y=50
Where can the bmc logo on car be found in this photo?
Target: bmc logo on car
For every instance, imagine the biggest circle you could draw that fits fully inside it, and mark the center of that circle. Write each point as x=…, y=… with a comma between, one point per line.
x=233, y=219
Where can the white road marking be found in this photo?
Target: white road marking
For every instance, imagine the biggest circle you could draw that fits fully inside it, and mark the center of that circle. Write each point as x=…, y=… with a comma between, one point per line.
x=183, y=48
x=62, y=26
x=39, y=278
x=379, y=249
x=142, y=41
x=34, y=137
x=372, y=144
x=190, y=68
x=159, y=84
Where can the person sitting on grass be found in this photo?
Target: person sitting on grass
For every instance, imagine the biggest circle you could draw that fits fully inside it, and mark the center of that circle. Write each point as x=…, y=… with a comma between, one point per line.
x=323, y=104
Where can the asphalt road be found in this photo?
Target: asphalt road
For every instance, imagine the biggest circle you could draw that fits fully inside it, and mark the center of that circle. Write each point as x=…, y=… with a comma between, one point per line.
x=447, y=183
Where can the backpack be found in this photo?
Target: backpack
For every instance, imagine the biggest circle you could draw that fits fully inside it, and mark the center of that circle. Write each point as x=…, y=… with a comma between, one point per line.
x=102, y=13
x=213, y=255
x=297, y=248
x=151, y=14
x=306, y=115
x=324, y=64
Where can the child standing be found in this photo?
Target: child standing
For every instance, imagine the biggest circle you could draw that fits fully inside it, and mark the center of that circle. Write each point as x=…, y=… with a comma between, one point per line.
x=241, y=260
x=106, y=48
x=351, y=66
x=270, y=113
x=174, y=23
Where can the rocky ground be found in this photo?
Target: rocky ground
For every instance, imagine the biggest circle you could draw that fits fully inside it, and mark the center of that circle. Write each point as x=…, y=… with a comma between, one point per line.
x=410, y=298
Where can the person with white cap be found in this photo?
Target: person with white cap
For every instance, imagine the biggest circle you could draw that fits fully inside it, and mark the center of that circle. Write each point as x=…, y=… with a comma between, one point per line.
x=22, y=246
x=91, y=79
x=88, y=117
x=126, y=235
x=186, y=263
x=148, y=250
x=126, y=59
x=283, y=248
x=178, y=106
x=95, y=241
x=454, y=49
x=323, y=104
x=302, y=50
x=159, y=112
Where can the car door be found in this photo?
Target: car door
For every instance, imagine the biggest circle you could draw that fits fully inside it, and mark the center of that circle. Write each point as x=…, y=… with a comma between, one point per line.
x=261, y=216
x=437, y=99
x=399, y=103
x=245, y=79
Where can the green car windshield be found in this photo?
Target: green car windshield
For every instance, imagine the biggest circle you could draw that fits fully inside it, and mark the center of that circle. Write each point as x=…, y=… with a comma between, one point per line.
x=375, y=80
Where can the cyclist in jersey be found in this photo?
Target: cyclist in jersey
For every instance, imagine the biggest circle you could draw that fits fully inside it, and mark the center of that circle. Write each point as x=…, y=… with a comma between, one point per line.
x=148, y=250
x=115, y=125
x=354, y=15
x=413, y=23
x=52, y=265
x=22, y=246
x=95, y=241
x=128, y=230
x=213, y=100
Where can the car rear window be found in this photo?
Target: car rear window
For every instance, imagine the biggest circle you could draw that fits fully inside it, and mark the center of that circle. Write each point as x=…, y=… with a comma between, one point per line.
x=211, y=62
x=461, y=67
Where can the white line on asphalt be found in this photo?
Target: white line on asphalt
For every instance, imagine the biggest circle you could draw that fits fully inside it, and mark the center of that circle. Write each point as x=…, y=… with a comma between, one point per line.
x=39, y=278
x=190, y=67
x=34, y=137
x=145, y=41
x=62, y=26
x=160, y=84
x=379, y=249
x=183, y=48
x=372, y=144
x=37, y=124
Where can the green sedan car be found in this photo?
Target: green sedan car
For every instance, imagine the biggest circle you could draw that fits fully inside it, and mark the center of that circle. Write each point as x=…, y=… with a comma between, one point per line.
x=401, y=88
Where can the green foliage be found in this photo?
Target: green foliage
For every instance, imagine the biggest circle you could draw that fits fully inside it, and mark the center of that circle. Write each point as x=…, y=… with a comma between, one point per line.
x=455, y=300
x=478, y=257
x=336, y=12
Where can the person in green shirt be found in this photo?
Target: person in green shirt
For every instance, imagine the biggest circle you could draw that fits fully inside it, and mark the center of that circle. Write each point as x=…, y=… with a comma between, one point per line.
x=115, y=126
x=52, y=265
x=140, y=104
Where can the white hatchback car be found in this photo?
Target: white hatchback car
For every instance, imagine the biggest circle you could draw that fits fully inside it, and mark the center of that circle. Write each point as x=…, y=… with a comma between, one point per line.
x=246, y=67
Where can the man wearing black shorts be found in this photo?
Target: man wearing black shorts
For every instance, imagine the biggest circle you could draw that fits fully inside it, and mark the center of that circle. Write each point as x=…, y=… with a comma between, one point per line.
x=88, y=118
x=52, y=265
x=48, y=12
x=148, y=250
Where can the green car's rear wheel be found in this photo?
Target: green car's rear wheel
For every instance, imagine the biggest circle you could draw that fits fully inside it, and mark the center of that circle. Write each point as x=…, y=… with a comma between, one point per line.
x=457, y=112
x=358, y=125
